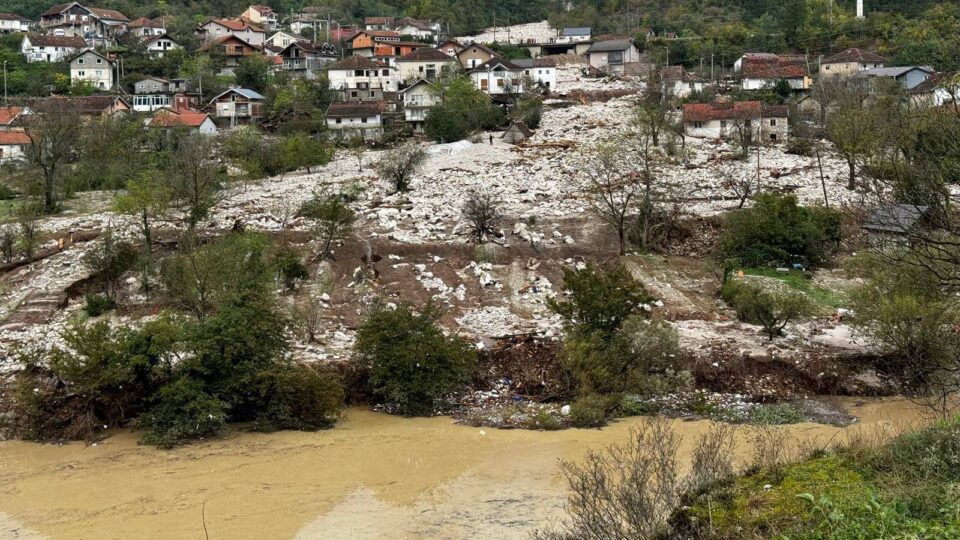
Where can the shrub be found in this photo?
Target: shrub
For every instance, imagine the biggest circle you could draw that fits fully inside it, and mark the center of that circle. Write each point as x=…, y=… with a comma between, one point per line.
x=296, y=396
x=398, y=165
x=482, y=212
x=97, y=304
x=289, y=265
x=109, y=260
x=545, y=421
x=413, y=365
x=778, y=231
x=8, y=243
x=776, y=414
x=528, y=111
x=590, y=411
x=770, y=309
x=184, y=410
x=600, y=299
x=332, y=216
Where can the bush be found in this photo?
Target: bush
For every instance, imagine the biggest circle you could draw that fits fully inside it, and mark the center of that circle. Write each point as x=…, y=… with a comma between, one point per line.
x=97, y=304
x=600, y=299
x=109, y=260
x=770, y=309
x=398, y=165
x=8, y=243
x=184, y=410
x=414, y=367
x=778, y=231
x=332, y=216
x=528, y=111
x=591, y=410
x=776, y=414
x=482, y=212
x=299, y=397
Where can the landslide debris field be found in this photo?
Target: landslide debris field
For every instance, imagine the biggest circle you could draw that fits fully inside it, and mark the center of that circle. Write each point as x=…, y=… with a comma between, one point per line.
x=413, y=247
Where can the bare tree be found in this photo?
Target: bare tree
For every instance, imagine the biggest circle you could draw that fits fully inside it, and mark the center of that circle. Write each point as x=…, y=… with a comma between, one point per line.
x=357, y=147
x=54, y=131
x=655, y=107
x=333, y=219
x=398, y=165
x=482, y=212
x=613, y=188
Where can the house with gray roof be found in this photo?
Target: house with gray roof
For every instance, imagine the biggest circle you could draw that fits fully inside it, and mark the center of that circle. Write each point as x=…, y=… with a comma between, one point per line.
x=908, y=76
x=575, y=35
x=236, y=106
x=610, y=56
x=896, y=222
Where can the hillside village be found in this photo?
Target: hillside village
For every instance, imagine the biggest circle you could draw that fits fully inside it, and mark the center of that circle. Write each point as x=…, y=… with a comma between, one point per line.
x=262, y=218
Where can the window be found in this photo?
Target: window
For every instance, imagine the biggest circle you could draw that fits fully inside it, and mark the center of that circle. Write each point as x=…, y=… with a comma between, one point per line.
x=339, y=120
x=615, y=57
x=698, y=125
x=773, y=121
x=363, y=120
x=99, y=60
x=386, y=72
x=353, y=93
x=773, y=136
x=372, y=93
x=484, y=84
x=723, y=124
x=79, y=60
x=80, y=74
x=358, y=73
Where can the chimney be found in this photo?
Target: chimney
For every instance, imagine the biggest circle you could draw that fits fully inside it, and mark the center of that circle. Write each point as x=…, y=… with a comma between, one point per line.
x=859, y=9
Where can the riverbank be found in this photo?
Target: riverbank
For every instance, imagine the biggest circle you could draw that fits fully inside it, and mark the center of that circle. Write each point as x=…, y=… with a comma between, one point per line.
x=372, y=476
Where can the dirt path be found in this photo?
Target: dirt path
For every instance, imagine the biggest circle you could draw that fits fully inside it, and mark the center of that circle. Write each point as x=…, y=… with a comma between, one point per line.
x=373, y=476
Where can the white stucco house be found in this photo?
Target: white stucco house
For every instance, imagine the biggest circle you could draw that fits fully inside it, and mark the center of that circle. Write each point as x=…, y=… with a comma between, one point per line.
x=91, y=67
x=361, y=73
x=610, y=56
x=348, y=120
x=48, y=48
x=10, y=23
x=417, y=100
x=498, y=76
x=543, y=71
x=424, y=63
x=721, y=120
x=159, y=46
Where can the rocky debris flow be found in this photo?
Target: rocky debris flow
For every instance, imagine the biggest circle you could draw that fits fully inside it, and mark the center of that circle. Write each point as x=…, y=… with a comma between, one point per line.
x=539, y=32
x=573, y=76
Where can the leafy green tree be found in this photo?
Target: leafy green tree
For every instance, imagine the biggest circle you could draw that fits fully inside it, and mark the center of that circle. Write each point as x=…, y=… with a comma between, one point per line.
x=303, y=151
x=779, y=231
x=109, y=260
x=413, y=366
x=463, y=110
x=253, y=73
x=772, y=309
x=192, y=176
x=333, y=219
x=601, y=299
x=146, y=199
x=398, y=165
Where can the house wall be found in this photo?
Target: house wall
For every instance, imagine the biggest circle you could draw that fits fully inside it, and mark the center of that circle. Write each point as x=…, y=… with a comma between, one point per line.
x=160, y=47
x=7, y=26
x=409, y=72
x=11, y=152
x=682, y=89
x=546, y=76
x=369, y=127
x=416, y=104
x=846, y=68
x=772, y=130
x=215, y=30
x=473, y=56
x=913, y=78
x=45, y=54
x=601, y=60
x=367, y=79
x=496, y=82
x=802, y=83
x=92, y=69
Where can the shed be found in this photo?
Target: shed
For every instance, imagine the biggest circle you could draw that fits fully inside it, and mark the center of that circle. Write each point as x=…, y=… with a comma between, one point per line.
x=516, y=133
x=896, y=220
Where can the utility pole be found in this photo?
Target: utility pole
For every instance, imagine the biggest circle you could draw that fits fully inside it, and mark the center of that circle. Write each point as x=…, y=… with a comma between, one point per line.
x=711, y=67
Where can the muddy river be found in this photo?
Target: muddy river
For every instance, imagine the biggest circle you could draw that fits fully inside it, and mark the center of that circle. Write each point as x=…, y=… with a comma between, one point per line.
x=373, y=476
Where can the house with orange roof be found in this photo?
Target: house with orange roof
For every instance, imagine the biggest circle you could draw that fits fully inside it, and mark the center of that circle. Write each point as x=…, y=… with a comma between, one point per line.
x=10, y=118
x=189, y=120
x=73, y=18
x=763, y=71
x=144, y=27
x=720, y=120
x=212, y=29
x=13, y=146
x=232, y=49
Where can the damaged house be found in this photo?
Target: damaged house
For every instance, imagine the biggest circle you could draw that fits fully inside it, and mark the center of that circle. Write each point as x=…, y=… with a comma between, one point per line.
x=723, y=120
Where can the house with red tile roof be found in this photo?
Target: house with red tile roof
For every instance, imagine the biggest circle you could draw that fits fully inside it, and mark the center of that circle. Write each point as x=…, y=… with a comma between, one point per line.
x=194, y=121
x=10, y=118
x=13, y=146
x=49, y=48
x=263, y=16
x=232, y=49
x=720, y=120
x=212, y=29
x=763, y=71
x=356, y=119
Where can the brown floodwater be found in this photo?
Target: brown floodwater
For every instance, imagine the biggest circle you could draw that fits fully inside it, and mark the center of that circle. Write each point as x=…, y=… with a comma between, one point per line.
x=373, y=476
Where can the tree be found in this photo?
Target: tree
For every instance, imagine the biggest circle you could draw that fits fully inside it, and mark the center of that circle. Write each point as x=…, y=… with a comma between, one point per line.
x=192, y=176
x=303, y=151
x=398, y=165
x=482, y=212
x=463, y=109
x=777, y=230
x=253, y=73
x=108, y=261
x=332, y=216
x=53, y=130
x=529, y=111
x=613, y=188
x=28, y=219
x=771, y=309
x=357, y=147
x=601, y=299
x=413, y=366
x=653, y=110
x=853, y=129
x=147, y=200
